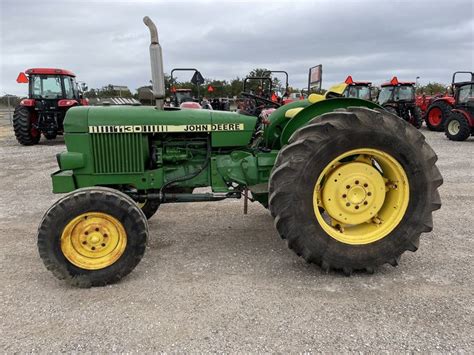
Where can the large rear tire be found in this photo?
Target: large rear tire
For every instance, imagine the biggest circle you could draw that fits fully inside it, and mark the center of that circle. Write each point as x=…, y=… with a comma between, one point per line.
x=354, y=189
x=149, y=207
x=436, y=115
x=92, y=237
x=417, y=117
x=22, y=125
x=457, y=128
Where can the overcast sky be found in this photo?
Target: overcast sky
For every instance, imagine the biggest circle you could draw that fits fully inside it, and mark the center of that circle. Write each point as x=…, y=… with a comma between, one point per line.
x=106, y=41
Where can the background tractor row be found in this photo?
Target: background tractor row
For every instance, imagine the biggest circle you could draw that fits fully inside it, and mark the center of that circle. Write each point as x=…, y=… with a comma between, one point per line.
x=459, y=124
x=350, y=185
x=440, y=107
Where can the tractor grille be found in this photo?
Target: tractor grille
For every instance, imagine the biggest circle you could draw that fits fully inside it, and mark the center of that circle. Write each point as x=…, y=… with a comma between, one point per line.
x=118, y=153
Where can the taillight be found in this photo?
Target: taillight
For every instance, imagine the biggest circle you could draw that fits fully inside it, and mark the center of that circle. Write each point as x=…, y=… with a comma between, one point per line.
x=66, y=103
x=27, y=102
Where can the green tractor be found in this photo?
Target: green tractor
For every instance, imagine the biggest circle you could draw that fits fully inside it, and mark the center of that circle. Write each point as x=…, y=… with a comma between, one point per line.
x=350, y=185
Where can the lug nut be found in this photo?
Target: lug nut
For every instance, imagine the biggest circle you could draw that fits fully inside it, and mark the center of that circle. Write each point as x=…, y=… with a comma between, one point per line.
x=365, y=185
x=357, y=182
x=348, y=186
x=348, y=204
x=344, y=196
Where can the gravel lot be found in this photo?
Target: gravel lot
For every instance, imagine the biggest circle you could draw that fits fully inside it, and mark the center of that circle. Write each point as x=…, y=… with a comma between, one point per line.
x=214, y=279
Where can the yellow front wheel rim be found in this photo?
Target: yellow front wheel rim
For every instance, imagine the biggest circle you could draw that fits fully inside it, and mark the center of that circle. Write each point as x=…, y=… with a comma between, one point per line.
x=361, y=196
x=93, y=240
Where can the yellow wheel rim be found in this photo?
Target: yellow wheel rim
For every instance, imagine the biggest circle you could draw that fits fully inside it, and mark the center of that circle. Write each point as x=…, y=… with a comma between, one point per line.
x=93, y=240
x=361, y=196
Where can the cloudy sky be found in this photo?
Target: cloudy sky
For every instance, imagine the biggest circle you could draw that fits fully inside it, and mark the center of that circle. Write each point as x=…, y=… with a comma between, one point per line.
x=106, y=41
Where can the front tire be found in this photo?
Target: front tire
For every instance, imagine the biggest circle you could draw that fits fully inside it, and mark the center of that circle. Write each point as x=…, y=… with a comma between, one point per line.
x=457, y=128
x=375, y=154
x=92, y=237
x=23, y=126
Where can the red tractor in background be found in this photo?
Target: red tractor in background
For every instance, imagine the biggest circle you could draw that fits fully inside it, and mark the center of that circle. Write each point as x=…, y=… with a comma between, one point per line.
x=51, y=92
x=358, y=89
x=440, y=106
x=460, y=122
x=424, y=101
x=399, y=98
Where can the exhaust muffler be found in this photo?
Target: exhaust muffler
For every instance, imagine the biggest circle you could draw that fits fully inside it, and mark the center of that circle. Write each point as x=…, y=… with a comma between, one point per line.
x=156, y=61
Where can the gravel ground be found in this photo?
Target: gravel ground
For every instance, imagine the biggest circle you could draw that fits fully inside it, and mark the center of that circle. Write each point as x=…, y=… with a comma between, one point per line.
x=214, y=279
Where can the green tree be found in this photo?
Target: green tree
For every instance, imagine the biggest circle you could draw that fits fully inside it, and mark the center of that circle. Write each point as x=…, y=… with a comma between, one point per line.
x=432, y=89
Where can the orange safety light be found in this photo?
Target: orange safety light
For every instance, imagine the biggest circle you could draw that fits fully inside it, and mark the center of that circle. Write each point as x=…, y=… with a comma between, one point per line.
x=22, y=78
x=394, y=81
x=349, y=80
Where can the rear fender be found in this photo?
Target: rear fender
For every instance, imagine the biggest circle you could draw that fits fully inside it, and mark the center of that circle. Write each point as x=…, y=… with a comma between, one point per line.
x=447, y=99
x=466, y=115
x=317, y=109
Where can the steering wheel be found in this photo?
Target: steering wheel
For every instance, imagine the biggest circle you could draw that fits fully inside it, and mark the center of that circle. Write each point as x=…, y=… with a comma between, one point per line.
x=260, y=98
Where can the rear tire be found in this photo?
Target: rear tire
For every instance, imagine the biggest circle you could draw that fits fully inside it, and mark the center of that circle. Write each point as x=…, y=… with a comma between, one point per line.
x=417, y=117
x=457, y=128
x=436, y=115
x=312, y=149
x=22, y=125
x=116, y=227
x=392, y=110
x=149, y=207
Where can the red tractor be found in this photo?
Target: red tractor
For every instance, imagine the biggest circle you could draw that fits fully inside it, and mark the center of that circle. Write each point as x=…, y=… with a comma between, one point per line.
x=358, y=89
x=51, y=92
x=460, y=122
x=440, y=107
x=399, y=98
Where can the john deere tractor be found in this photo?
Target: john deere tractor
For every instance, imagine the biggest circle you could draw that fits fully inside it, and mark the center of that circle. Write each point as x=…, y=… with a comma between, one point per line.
x=350, y=185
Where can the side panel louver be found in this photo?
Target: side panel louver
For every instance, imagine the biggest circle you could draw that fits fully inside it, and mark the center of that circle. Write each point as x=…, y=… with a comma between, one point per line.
x=117, y=153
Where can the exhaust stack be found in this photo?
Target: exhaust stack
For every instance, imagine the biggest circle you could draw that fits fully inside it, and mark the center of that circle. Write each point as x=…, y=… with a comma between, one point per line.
x=156, y=60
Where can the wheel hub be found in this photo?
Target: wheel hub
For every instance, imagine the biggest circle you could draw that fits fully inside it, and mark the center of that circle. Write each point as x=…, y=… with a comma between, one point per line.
x=454, y=127
x=353, y=193
x=93, y=240
x=356, y=195
x=435, y=116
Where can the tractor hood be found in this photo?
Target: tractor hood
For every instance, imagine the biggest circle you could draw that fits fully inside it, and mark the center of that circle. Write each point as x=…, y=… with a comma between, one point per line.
x=227, y=128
